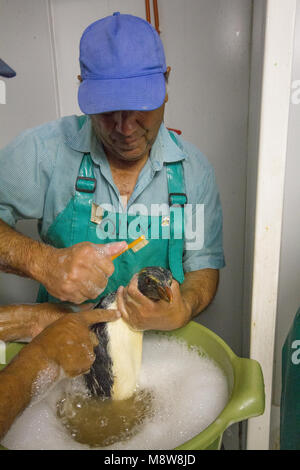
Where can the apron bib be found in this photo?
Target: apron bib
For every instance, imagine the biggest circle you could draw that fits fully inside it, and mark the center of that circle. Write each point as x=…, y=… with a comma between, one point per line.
x=74, y=225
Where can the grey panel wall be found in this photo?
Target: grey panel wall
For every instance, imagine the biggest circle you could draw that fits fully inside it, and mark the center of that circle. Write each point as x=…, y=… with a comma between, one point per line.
x=208, y=45
x=25, y=44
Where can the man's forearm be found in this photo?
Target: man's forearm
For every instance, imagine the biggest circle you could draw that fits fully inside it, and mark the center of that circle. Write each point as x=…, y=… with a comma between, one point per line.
x=24, y=322
x=74, y=274
x=19, y=254
x=198, y=289
x=18, y=383
x=15, y=322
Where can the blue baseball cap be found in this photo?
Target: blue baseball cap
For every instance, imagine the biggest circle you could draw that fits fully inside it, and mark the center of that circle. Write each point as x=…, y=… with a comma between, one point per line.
x=122, y=65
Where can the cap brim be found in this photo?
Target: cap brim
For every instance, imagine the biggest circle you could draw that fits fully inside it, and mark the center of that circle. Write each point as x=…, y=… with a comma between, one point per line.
x=6, y=70
x=137, y=93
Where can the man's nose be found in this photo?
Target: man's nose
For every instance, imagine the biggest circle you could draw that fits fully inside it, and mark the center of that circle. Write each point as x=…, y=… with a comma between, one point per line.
x=125, y=122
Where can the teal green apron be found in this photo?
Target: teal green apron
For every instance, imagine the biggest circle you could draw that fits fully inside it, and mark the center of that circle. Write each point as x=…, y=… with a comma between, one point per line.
x=166, y=235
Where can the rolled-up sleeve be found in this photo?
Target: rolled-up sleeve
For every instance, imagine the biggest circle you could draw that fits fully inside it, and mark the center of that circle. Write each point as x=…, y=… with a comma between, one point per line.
x=25, y=170
x=204, y=226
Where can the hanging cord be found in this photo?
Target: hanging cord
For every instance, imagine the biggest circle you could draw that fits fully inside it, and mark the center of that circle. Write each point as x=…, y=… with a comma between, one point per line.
x=156, y=15
x=148, y=14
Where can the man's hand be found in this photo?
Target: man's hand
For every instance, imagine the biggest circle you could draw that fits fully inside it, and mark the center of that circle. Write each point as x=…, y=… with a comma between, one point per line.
x=69, y=343
x=142, y=313
x=190, y=298
x=78, y=273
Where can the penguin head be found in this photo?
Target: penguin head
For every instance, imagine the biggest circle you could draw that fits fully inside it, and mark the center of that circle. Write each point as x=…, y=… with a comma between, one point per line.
x=155, y=283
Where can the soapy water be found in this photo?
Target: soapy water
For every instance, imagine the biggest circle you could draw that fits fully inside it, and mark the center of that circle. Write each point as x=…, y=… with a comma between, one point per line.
x=102, y=422
x=179, y=394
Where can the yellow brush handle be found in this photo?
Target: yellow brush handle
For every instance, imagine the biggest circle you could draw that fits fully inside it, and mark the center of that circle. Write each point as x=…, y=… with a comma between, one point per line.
x=135, y=242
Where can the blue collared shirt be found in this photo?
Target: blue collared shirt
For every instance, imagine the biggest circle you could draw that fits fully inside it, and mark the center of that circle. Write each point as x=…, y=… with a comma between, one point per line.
x=38, y=171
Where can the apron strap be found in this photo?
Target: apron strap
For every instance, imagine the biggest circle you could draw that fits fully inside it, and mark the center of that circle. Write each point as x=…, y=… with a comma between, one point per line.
x=177, y=199
x=84, y=194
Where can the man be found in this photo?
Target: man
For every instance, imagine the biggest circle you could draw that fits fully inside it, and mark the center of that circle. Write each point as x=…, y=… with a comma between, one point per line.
x=65, y=345
x=84, y=178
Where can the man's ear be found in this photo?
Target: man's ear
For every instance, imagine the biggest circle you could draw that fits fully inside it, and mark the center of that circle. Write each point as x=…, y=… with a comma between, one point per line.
x=167, y=74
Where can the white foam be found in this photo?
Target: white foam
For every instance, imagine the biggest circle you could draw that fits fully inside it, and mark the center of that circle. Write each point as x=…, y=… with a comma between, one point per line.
x=189, y=392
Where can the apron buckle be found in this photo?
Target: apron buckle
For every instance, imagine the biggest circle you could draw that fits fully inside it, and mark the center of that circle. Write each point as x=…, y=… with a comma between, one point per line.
x=177, y=199
x=85, y=184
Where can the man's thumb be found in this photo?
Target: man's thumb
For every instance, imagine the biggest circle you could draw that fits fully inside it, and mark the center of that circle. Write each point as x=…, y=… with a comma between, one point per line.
x=111, y=249
x=99, y=315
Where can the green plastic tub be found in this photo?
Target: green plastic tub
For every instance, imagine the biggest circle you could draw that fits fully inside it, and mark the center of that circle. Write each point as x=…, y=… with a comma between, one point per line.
x=244, y=377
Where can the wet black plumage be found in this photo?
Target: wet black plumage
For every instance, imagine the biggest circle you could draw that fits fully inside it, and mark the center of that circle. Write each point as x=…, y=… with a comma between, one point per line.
x=155, y=283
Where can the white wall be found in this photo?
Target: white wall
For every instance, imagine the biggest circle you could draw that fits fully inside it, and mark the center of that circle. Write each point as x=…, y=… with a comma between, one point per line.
x=207, y=46
x=255, y=92
x=289, y=276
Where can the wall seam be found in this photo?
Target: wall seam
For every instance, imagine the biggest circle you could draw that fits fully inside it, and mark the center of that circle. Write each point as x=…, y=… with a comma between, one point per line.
x=54, y=58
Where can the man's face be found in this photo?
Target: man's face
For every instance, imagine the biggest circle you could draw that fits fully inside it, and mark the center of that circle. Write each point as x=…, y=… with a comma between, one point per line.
x=128, y=135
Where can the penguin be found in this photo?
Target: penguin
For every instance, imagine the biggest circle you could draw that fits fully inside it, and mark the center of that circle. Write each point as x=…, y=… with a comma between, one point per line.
x=115, y=371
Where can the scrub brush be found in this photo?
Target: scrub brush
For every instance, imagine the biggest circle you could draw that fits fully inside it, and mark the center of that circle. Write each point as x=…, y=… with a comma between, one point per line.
x=135, y=246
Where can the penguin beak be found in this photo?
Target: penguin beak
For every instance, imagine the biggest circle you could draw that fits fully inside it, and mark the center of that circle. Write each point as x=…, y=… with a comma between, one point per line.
x=165, y=293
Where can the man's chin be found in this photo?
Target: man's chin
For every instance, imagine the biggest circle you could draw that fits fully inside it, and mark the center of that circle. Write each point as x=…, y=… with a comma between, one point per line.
x=131, y=154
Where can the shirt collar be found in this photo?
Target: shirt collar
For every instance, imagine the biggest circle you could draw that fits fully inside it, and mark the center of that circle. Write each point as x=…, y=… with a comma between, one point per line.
x=80, y=140
x=164, y=149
